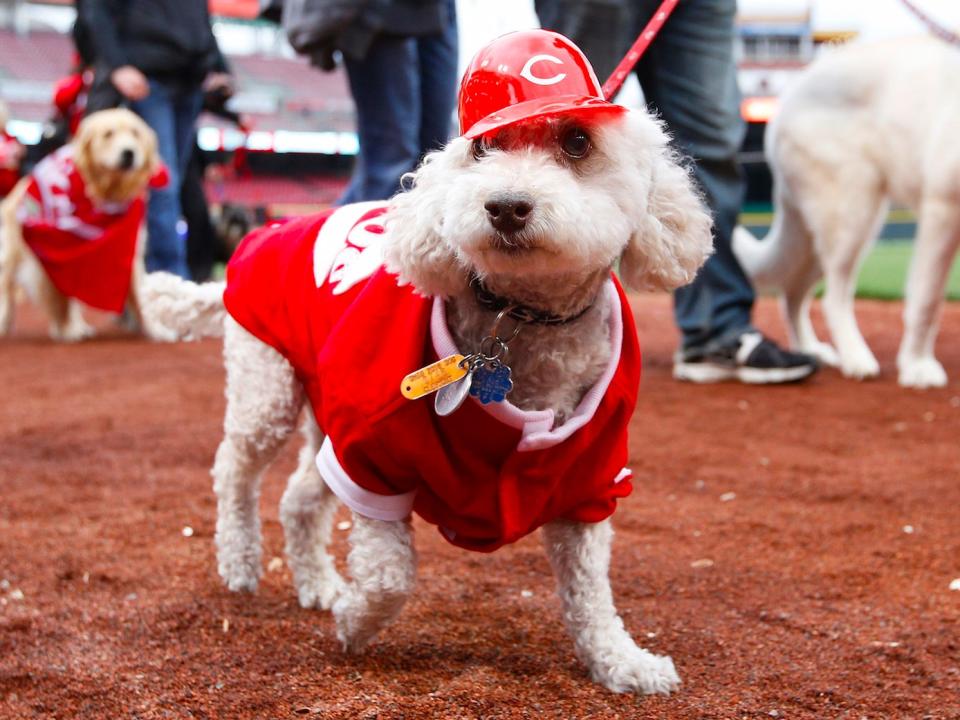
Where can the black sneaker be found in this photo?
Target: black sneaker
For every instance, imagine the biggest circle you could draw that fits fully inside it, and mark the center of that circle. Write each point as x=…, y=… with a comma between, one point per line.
x=754, y=360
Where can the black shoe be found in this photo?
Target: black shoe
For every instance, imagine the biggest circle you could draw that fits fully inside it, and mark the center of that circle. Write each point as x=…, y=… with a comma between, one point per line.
x=753, y=359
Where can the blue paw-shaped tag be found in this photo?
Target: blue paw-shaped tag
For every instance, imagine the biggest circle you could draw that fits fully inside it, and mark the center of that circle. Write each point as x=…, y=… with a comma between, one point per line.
x=491, y=385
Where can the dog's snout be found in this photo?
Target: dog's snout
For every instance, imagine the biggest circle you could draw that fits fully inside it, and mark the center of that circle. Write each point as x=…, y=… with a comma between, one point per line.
x=509, y=212
x=126, y=158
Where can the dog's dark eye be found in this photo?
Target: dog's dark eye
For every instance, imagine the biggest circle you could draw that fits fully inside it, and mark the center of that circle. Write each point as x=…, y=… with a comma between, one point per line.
x=575, y=143
x=108, y=134
x=481, y=146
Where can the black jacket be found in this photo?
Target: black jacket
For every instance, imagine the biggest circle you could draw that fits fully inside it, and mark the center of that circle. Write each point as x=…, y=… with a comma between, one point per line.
x=319, y=27
x=164, y=39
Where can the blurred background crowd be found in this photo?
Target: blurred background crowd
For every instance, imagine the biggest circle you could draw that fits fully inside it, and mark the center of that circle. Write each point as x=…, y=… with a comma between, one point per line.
x=260, y=131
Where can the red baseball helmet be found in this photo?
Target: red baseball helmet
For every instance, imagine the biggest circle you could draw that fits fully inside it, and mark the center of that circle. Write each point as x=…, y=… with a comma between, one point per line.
x=525, y=75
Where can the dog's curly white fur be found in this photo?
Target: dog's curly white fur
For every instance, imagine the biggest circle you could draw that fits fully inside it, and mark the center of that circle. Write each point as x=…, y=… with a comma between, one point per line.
x=862, y=126
x=628, y=200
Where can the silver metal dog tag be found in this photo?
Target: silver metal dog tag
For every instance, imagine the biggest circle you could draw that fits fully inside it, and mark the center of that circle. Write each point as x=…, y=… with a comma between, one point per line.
x=451, y=397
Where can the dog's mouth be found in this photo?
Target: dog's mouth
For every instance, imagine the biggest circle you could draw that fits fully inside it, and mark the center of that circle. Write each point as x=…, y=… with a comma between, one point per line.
x=512, y=243
x=127, y=161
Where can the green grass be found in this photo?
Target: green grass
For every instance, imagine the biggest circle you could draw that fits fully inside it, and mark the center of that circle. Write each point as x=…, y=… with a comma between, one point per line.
x=884, y=272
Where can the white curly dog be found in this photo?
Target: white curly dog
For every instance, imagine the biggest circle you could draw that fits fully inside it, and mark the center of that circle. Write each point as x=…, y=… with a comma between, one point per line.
x=862, y=126
x=540, y=211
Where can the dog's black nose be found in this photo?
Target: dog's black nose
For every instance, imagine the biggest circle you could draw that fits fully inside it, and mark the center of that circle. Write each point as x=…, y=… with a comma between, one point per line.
x=126, y=159
x=508, y=212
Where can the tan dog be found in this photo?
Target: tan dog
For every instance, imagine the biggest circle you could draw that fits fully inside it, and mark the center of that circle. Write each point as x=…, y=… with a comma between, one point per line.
x=84, y=198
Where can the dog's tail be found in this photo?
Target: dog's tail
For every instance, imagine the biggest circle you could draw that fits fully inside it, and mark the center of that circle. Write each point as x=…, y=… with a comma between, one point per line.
x=769, y=261
x=754, y=254
x=177, y=309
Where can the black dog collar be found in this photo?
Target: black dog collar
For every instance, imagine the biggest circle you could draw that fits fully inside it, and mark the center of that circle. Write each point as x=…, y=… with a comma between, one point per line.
x=517, y=311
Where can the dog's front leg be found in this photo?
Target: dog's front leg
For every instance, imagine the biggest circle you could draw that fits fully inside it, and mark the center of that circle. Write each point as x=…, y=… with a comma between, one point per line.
x=580, y=556
x=383, y=566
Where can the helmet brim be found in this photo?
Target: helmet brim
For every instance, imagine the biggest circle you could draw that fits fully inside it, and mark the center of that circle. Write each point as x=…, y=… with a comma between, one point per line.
x=542, y=108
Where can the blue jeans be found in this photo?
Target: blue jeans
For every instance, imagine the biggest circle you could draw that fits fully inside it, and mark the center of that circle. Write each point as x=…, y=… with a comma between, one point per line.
x=689, y=77
x=172, y=113
x=404, y=91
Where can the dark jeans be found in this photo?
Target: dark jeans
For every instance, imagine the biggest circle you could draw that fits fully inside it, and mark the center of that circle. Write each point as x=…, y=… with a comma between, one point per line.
x=689, y=78
x=172, y=112
x=202, y=241
x=404, y=91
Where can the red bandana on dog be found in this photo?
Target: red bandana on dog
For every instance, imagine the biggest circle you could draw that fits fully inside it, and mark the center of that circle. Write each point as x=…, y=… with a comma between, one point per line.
x=315, y=290
x=87, y=250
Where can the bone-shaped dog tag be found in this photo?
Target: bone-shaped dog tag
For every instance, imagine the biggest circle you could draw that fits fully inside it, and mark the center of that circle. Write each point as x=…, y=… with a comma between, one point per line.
x=433, y=377
x=450, y=397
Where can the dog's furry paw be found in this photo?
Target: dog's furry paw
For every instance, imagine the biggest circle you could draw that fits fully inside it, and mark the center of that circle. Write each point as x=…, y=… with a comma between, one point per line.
x=239, y=581
x=76, y=331
x=860, y=365
x=922, y=373
x=824, y=353
x=156, y=332
x=352, y=615
x=628, y=668
x=322, y=591
x=240, y=572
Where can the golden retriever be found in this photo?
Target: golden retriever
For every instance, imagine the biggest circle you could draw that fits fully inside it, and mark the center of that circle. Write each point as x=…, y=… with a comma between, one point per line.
x=93, y=183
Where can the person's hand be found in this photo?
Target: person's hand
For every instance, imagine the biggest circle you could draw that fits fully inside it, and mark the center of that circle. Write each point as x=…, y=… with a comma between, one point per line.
x=130, y=82
x=219, y=83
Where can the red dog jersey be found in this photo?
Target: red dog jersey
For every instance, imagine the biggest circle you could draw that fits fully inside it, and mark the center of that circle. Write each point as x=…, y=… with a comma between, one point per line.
x=87, y=250
x=486, y=475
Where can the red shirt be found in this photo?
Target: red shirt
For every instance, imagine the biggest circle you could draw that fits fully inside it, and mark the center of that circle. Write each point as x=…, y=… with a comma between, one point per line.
x=86, y=249
x=486, y=475
x=70, y=98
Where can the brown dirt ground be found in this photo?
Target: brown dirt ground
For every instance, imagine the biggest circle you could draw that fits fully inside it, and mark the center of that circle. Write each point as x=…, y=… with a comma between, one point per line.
x=818, y=602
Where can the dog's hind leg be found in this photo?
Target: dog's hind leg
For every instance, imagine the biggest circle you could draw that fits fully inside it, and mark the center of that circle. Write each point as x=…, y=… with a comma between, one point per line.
x=844, y=235
x=938, y=235
x=9, y=261
x=796, y=299
x=76, y=328
x=264, y=399
x=60, y=311
x=11, y=254
x=306, y=511
x=383, y=569
x=580, y=556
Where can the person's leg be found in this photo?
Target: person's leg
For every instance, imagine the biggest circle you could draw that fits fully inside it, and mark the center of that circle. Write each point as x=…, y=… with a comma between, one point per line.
x=186, y=109
x=386, y=90
x=596, y=26
x=437, y=56
x=166, y=250
x=201, y=237
x=193, y=204
x=689, y=76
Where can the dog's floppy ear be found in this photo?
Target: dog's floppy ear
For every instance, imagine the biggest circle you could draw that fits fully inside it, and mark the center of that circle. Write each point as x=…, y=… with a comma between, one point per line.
x=153, y=163
x=414, y=248
x=83, y=146
x=672, y=237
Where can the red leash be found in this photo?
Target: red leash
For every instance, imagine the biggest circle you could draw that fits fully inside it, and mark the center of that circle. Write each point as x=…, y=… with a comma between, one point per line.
x=613, y=84
x=932, y=25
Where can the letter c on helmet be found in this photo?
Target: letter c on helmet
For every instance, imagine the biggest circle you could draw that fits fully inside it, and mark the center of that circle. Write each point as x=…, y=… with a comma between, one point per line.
x=527, y=72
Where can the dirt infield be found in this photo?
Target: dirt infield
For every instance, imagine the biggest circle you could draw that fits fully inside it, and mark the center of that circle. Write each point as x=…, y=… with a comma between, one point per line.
x=791, y=548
